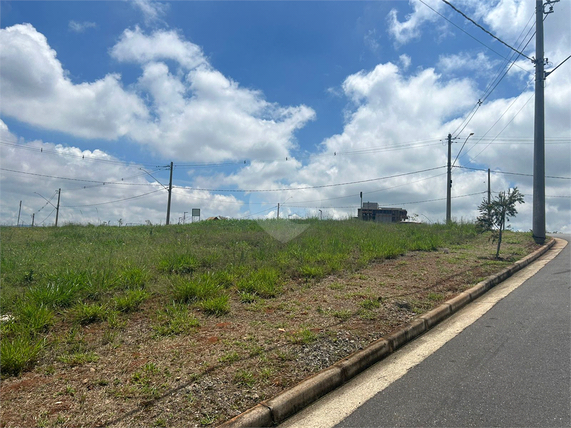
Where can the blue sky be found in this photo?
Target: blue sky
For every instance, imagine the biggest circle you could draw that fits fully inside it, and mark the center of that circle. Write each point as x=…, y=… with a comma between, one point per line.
x=345, y=91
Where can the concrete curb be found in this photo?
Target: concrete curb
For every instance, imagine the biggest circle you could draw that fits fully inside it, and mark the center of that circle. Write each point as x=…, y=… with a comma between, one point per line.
x=276, y=410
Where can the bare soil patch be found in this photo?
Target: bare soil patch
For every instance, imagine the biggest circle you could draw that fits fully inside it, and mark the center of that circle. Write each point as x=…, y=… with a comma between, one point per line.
x=130, y=376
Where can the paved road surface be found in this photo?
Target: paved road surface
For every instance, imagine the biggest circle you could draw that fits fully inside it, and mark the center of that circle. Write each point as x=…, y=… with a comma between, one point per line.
x=510, y=367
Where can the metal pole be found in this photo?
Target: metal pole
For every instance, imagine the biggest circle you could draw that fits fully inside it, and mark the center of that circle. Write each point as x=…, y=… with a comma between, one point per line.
x=449, y=182
x=539, y=131
x=57, y=208
x=169, y=201
x=19, y=211
x=278, y=211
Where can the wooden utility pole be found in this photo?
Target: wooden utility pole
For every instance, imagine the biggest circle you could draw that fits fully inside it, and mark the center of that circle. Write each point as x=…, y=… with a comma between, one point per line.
x=57, y=207
x=33, y=216
x=278, y=211
x=19, y=211
x=169, y=201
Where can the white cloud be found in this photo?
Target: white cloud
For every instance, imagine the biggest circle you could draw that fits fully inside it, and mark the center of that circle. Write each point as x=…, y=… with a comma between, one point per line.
x=80, y=27
x=153, y=11
x=35, y=89
x=372, y=40
x=410, y=29
x=405, y=61
x=135, y=46
x=90, y=201
x=191, y=113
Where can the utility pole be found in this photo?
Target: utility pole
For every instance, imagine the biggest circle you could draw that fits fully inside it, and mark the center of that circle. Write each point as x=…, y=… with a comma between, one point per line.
x=449, y=182
x=57, y=207
x=539, y=128
x=19, y=211
x=33, y=215
x=278, y=217
x=169, y=202
x=489, y=188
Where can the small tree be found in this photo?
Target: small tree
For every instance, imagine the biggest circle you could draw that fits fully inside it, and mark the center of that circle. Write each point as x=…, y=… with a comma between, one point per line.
x=493, y=215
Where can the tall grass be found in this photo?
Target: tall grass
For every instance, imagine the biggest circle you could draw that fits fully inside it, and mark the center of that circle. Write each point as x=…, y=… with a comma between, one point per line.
x=85, y=272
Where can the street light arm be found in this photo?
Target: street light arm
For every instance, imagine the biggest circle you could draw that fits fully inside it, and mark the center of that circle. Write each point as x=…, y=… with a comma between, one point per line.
x=458, y=155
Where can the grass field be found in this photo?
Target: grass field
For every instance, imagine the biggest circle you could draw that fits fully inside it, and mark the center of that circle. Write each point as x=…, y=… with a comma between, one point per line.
x=85, y=296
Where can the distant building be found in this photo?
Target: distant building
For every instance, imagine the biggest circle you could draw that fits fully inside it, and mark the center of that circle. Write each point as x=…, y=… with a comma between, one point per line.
x=372, y=212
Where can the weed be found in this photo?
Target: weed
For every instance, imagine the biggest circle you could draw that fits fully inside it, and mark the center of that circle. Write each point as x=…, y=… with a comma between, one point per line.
x=435, y=297
x=216, y=305
x=208, y=419
x=175, y=319
x=308, y=271
x=78, y=358
x=245, y=377
x=246, y=297
x=263, y=282
x=229, y=357
x=303, y=336
x=86, y=313
x=133, y=278
x=337, y=286
x=196, y=289
x=370, y=304
x=33, y=317
x=18, y=354
x=344, y=314
x=179, y=264
x=159, y=422
x=130, y=301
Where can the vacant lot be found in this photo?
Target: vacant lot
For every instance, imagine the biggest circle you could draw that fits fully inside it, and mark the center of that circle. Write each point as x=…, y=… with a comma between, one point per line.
x=190, y=325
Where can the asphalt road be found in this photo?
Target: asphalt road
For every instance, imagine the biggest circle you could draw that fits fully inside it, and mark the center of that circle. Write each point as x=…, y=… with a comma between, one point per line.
x=503, y=361
x=512, y=367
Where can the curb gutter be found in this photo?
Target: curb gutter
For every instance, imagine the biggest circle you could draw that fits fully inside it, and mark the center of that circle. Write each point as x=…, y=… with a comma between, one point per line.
x=276, y=410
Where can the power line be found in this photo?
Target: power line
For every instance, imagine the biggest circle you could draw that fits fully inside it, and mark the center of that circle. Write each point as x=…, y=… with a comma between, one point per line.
x=464, y=31
x=503, y=129
x=112, y=202
x=498, y=79
x=285, y=189
x=560, y=64
x=100, y=182
x=59, y=153
x=512, y=173
x=482, y=28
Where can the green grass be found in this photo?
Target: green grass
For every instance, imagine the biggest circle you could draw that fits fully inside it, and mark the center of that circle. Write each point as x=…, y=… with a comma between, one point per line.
x=88, y=274
x=130, y=301
x=18, y=354
x=87, y=313
x=173, y=320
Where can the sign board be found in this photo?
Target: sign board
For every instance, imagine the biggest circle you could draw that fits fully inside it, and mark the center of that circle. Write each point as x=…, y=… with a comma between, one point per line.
x=196, y=212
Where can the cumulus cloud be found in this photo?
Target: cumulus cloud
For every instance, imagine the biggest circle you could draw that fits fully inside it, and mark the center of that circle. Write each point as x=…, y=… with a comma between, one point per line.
x=192, y=112
x=35, y=89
